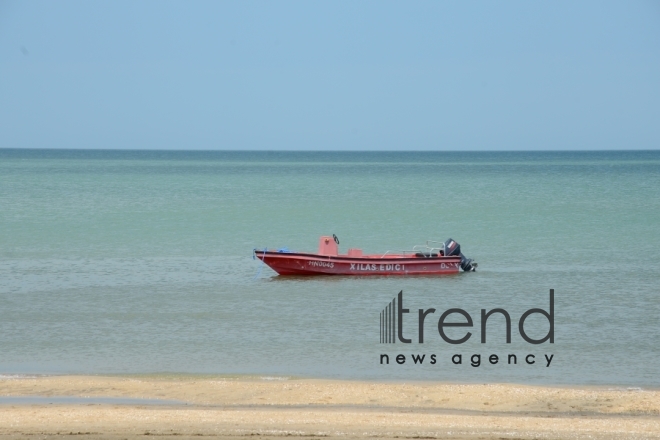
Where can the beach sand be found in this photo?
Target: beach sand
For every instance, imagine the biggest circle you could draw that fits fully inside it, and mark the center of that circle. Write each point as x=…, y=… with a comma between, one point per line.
x=285, y=407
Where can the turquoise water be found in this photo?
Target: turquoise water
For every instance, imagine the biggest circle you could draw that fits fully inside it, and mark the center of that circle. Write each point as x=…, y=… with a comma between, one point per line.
x=140, y=262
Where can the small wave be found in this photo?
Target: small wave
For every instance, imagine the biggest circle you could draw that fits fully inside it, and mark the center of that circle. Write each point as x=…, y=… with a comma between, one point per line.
x=15, y=376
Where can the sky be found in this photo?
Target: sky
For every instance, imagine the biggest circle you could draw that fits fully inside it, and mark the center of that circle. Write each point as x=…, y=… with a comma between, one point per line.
x=330, y=75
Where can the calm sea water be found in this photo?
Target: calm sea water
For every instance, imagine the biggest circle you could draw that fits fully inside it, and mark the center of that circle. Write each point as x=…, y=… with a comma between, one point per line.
x=140, y=262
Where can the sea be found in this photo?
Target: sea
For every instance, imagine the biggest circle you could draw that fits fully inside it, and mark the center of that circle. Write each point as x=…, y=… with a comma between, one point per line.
x=142, y=263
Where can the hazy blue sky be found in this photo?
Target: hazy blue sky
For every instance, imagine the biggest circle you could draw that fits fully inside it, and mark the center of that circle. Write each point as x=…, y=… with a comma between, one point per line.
x=358, y=75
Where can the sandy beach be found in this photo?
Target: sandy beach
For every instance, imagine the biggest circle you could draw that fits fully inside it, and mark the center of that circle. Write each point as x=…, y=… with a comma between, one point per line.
x=282, y=407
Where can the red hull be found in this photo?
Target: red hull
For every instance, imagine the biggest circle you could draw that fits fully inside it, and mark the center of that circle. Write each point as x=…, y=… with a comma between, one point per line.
x=288, y=263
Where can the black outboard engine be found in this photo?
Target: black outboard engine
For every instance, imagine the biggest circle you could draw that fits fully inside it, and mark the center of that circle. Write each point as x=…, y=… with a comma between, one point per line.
x=453, y=248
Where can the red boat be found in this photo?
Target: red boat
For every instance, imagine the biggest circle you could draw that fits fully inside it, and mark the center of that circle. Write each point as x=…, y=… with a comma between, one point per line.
x=433, y=258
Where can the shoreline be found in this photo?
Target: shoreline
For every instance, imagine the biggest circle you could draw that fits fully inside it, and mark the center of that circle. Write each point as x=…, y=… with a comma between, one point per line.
x=271, y=406
x=279, y=378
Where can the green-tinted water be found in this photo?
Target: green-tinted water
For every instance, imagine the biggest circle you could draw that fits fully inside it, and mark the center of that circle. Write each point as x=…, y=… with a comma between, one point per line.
x=140, y=262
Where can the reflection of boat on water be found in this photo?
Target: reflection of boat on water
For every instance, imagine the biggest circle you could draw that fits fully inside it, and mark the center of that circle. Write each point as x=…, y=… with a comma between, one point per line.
x=433, y=258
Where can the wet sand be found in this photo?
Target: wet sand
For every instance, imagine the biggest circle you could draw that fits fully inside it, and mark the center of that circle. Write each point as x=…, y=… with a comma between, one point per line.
x=276, y=407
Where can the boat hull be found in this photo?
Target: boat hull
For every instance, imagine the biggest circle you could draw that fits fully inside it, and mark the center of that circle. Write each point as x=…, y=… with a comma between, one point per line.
x=287, y=263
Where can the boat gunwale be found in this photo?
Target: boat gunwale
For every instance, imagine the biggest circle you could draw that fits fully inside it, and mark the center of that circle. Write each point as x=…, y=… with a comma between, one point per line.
x=260, y=254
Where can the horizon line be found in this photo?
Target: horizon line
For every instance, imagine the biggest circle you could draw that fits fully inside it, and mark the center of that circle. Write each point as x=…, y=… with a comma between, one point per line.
x=324, y=151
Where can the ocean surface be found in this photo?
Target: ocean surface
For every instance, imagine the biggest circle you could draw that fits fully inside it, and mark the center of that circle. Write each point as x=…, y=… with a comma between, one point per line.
x=140, y=262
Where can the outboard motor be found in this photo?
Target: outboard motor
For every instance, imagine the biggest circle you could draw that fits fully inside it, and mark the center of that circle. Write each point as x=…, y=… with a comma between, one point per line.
x=453, y=248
